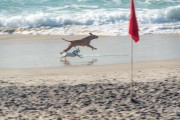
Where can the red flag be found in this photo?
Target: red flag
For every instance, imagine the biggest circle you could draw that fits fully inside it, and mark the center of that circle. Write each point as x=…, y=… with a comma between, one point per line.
x=133, y=26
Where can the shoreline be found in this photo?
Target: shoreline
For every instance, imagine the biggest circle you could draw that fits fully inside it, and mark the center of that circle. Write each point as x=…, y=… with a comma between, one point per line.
x=73, y=75
x=34, y=51
x=42, y=37
x=58, y=37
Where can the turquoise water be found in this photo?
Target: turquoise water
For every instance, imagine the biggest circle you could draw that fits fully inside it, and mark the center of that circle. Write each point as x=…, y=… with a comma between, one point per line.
x=103, y=17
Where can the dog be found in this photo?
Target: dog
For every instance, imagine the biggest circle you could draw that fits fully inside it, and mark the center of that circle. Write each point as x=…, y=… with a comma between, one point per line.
x=82, y=42
x=74, y=53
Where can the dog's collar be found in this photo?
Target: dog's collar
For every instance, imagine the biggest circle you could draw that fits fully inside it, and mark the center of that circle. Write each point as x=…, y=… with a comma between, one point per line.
x=75, y=52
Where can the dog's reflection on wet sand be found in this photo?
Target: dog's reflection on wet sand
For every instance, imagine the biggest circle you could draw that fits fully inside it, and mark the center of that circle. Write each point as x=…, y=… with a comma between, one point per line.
x=92, y=62
x=68, y=63
x=65, y=62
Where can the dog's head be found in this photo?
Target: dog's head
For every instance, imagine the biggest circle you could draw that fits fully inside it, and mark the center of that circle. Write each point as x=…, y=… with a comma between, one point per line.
x=93, y=36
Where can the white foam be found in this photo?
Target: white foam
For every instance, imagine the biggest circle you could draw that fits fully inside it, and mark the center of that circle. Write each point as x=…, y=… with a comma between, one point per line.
x=99, y=21
x=173, y=13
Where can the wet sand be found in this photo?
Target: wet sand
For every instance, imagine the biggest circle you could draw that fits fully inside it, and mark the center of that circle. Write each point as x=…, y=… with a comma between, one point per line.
x=31, y=51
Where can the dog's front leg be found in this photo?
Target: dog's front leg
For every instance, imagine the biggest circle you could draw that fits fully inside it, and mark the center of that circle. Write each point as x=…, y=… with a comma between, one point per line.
x=92, y=47
x=65, y=59
x=80, y=56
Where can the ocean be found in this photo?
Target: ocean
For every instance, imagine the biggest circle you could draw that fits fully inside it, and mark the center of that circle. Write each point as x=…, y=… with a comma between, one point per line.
x=79, y=17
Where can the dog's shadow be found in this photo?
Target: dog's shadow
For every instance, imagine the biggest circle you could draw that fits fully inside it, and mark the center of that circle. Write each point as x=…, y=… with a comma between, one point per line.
x=92, y=62
x=68, y=63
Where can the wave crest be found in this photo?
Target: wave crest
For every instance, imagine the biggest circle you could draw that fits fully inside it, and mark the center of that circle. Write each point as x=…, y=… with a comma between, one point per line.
x=97, y=20
x=173, y=13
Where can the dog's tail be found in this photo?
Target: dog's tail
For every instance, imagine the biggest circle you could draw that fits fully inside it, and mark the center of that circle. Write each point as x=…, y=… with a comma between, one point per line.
x=66, y=40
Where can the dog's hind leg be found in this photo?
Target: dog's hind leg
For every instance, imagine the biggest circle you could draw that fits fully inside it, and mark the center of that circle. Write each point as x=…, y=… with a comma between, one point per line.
x=68, y=48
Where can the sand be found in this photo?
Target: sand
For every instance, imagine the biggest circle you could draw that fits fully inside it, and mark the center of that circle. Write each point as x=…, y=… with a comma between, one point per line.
x=91, y=92
x=39, y=51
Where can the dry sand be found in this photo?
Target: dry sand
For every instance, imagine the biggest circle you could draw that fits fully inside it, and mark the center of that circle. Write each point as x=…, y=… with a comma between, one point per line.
x=91, y=92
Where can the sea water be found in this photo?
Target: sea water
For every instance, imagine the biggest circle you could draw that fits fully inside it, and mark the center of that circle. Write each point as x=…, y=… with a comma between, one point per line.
x=79, y=17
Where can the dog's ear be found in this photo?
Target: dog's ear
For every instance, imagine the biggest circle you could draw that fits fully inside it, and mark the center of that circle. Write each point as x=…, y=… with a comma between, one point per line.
x=91, y=34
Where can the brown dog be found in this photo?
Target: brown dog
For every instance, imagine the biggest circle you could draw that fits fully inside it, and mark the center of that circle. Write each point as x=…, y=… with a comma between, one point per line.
x=82, y=42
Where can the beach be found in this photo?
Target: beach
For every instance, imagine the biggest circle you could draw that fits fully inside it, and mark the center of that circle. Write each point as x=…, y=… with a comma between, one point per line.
x=37, y=89
x=36, y=51
x=120, y=80
x=92, y=92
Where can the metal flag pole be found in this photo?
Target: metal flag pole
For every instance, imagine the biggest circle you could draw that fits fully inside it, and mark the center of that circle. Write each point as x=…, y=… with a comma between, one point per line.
x=132, y=95
x=131, y=90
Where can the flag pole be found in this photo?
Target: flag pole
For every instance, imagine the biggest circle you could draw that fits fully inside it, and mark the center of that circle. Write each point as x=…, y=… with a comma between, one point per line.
x=133, y=31
x=131, y=90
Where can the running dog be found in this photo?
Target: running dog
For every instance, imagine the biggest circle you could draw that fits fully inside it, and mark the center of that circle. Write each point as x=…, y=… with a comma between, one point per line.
x=74, y=53
x=82, y=42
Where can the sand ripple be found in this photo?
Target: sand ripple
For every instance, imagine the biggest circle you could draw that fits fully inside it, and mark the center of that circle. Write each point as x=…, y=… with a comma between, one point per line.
x=100, y=101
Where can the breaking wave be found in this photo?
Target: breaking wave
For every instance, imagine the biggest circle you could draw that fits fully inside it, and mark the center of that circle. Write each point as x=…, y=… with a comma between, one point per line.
x=74, y=18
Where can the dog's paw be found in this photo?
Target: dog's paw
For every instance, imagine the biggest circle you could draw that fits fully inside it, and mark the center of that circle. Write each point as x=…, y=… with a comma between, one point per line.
x=61, y=52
